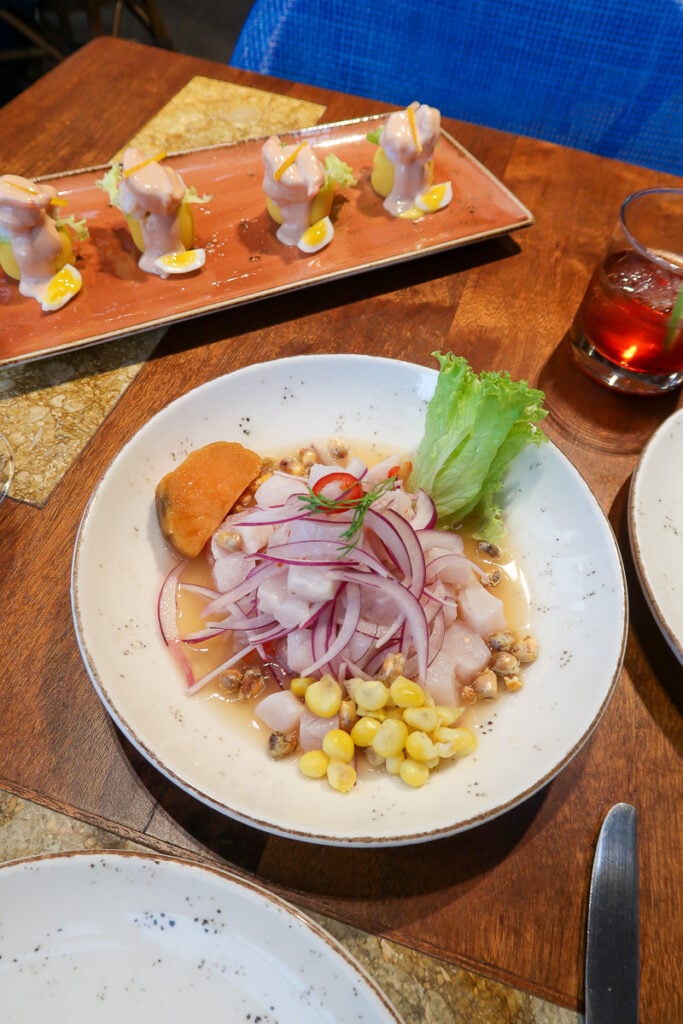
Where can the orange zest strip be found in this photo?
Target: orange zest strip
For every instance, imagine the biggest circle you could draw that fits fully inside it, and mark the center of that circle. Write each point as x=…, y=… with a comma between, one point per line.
x=144, y=163
x=23, y=188
x=413, y=129
x=57, y=201
x=288, y=161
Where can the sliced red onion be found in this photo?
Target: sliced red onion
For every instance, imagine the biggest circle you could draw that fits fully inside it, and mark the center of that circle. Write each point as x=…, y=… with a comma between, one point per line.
x=346, y=630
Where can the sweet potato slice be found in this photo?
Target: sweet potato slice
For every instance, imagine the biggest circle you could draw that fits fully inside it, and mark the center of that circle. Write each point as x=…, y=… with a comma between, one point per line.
x=194, y=498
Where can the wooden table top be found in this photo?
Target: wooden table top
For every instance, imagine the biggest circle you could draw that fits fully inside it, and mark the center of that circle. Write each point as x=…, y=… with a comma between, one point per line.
x=507, y=899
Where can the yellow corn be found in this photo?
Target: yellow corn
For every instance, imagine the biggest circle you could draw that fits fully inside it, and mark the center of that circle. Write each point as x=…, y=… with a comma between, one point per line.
x=407, y=694
x=300, y=684
x=448, y=715
x=369, y=694
x=324, y=697
x=338, y=745
x=374, y=759
x=424, y=719
x=390, y=738
x=413, y=773
x=364, y=731
x=341, y=776
x=420, y=747
x=393, y=764
x=458, y=742
x=313, y=764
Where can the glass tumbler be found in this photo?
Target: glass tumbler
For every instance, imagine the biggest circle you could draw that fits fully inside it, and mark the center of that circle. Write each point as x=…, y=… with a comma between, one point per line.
x=628, y=330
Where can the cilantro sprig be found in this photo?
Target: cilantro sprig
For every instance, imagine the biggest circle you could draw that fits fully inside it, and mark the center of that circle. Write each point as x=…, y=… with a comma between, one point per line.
x=321, y=503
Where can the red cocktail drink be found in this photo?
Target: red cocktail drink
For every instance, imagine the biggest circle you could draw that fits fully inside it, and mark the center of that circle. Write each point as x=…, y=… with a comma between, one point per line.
x=628, y=332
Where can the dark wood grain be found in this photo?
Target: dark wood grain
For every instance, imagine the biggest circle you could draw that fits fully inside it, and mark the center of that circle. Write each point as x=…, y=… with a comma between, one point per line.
x=507, y=899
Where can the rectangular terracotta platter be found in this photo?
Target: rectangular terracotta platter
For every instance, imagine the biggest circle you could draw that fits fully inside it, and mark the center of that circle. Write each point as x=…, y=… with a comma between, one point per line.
x=244, y=260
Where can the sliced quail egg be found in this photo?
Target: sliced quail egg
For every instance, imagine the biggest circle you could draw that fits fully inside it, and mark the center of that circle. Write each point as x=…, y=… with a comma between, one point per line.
x=435, y=198
x=59, y=289
x=317, y=236
x=181, y=262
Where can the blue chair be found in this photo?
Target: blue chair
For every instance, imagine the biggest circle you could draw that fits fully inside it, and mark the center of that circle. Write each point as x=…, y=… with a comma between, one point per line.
x=599, y=75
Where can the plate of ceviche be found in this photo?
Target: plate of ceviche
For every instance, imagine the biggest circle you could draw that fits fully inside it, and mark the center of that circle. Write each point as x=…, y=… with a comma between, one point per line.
x=351, y=600
x=125, y=936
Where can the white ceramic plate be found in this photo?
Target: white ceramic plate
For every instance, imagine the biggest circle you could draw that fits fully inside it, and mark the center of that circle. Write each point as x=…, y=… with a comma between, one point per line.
x=564, y=544
x=111, y=937
x=656, y=527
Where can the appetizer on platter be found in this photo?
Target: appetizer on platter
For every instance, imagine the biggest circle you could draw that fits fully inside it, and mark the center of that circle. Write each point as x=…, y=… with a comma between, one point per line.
x=299, y=192
x=403, y=167
x=35, y=244
x=364, y=609
x=157, y=206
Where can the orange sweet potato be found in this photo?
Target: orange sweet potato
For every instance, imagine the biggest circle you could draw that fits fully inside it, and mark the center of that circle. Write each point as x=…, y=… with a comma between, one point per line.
x=194, y=498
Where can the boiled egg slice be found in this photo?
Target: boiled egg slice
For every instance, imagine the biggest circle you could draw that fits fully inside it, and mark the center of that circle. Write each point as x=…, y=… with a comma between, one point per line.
x=59, y=289
x=435, y=198
x=317, y=236
x=181, y=262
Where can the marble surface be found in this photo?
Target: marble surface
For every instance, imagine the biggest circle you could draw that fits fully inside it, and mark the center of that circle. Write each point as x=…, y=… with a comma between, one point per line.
x=423, y=989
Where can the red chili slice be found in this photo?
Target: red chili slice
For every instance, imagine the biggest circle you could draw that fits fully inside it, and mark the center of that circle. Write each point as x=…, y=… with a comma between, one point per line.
x=350, y=487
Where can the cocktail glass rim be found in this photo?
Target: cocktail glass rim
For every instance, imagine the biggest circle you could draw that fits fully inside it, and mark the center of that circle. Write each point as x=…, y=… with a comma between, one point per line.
x=640, y=246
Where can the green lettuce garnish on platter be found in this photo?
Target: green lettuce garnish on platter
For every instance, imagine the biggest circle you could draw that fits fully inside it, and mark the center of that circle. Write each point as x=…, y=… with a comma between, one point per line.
x=476, y=424
x=338, y=172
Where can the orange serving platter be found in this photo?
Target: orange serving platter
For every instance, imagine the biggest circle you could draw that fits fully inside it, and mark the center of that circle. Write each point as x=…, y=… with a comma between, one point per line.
x=244, y=260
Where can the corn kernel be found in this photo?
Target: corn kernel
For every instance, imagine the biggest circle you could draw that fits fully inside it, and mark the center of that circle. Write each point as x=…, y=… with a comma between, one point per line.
x=369, y=694
x=374, y=759
x=424, y=719
x=338, y=745
x=420, y=747
x=313, y=764
x=300, y=684
x=390, y=738
x=406, y=693
x=324, y=697
x=448, y=715
x=364, y=731
x=341, y=776
x=393, y=764
x=458, y=742
x=413, y=773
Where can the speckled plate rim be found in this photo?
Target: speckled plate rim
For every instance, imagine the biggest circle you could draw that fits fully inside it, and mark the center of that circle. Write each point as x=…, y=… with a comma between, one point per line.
x=655, y=523
x=563, y=541
x=119, y=886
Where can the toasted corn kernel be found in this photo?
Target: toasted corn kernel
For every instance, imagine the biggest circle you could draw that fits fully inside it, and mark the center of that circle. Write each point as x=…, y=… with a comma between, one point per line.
x=504, y=663
x=406, y=693
x=324, y=697
x=424, y=719
x=292, y=466
x=486, y=685
x=341, y=776
x=282, y=744
x=500, y=641
x=468, y=695
x=300, y=684
x=313, y=764
x=348, y=715
x=307, y=457
x=525, y=650
x=390, y=738
x=420, y=747
x=512, y=683
x=364, y=731
x=413, y=773
x=338, y=745
x=392, y=667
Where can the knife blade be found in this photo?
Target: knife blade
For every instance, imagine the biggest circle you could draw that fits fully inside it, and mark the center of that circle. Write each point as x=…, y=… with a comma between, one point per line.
x=612, y=941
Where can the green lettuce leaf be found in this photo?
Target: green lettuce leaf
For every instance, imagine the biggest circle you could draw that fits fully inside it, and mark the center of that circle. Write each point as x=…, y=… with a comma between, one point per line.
x=475, y=426
x=338, y=171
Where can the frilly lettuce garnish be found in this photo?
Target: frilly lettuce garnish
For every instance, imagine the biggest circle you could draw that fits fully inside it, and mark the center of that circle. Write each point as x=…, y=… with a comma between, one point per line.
x=76, y=225
x=374, y=136
x=338, y=172
x=475, y=426
x=110, y=181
